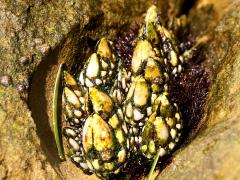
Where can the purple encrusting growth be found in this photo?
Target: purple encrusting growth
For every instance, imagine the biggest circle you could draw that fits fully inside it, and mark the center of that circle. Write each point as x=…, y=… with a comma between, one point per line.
x=124, y=45
x=189, y=90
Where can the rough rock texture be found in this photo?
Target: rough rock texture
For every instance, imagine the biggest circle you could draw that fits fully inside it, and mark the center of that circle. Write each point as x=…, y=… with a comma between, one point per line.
x=214, y=152
x=20, y=157
x=37, y=35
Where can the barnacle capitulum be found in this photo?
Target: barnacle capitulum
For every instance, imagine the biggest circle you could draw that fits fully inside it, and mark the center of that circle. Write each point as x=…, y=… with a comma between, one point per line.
x=148, y=63
x=104, y=144
x=73, y=101
x=164, y=40
x=136, y=109
x=149, y=112
x=100, y=68
x=113, y=112
x=101, y=145
x=163, y=129
x=98, y=140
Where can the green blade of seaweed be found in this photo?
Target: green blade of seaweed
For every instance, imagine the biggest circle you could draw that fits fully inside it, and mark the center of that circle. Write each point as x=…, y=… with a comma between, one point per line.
x=153, y=165
x=55, y=113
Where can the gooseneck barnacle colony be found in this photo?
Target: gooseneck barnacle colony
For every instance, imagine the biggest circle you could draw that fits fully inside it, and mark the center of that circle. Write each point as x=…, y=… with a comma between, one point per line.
x=113, y=112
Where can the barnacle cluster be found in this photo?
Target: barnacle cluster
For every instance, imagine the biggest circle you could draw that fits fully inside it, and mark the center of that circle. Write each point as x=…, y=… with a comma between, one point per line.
x=113, y=112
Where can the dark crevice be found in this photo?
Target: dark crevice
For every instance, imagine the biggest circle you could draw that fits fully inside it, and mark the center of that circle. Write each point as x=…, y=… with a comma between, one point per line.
x=38, y=104
x=72, y=50
x=190, y=91
x=125, y=42
x=187, y=6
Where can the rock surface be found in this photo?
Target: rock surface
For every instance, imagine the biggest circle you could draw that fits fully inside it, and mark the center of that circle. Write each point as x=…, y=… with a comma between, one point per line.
x=20, y=155
x=214, y=152
x=36, y=36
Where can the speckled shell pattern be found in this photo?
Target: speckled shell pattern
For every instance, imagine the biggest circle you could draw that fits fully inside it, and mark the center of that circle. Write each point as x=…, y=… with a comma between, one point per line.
x=113, y=112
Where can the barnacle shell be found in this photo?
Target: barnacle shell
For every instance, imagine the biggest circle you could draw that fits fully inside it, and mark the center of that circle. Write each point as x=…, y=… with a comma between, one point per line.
x=152, y=31
x=72, y=100
x=137, y=99
x=111, y=107
x=104, y=49
x=100, y=142
x=161, y=131
x=101, y=102
x=100, y=67
x=104, y=143
x=97, y=134
x=142, y=52
x=92, y=70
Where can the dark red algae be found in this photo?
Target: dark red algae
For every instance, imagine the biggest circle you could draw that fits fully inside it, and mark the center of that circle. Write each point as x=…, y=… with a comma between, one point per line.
x=189, y=90
x=125, y=43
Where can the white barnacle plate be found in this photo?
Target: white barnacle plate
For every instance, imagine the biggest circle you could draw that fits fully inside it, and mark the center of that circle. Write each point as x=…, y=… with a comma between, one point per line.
x=161, y=130
x=72, y=105
x=99, y=66
x=104, y=144
x=113, y=111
